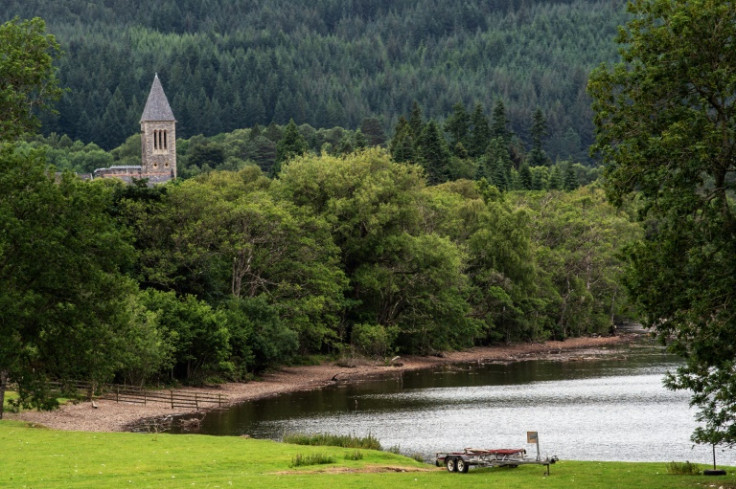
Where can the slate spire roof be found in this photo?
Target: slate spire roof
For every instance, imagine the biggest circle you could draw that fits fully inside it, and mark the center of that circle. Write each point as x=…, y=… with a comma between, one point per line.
x=157, y=106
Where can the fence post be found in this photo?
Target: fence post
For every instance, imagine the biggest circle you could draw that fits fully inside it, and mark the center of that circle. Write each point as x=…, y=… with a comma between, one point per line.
x=196, y=402
x=144, y=398
x=172, y=398
x=117, y=393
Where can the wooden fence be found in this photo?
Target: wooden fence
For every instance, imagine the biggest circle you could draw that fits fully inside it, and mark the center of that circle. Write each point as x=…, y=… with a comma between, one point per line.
x=136, y=395
x=175, y=399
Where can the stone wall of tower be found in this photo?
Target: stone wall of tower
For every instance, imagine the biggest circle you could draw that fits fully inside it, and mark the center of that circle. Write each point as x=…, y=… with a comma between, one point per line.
x=158, y=148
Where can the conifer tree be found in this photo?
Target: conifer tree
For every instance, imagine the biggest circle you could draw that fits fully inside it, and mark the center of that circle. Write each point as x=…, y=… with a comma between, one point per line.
x=570, y=181
x=114, y=119
x=360, y=140
x=540, y=177
x=291, y=144
x=500, y=176
x=480, y=133
x=457, y=126
x=402, y=145
x=416, y=122
x=433, y=154
x=497, y=151
x=525, y=177
x=500, y=123
x=373, y=131
x=460, y=151
x=555, y=179
x=537, y=156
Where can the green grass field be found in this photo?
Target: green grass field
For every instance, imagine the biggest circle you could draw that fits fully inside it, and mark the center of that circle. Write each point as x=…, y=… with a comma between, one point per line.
x=41, y=458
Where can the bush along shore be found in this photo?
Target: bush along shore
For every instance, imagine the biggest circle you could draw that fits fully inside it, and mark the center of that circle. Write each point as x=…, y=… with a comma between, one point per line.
x=111, y=416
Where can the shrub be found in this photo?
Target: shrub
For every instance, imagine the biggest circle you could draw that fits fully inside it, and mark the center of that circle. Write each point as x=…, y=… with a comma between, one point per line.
x=374, y=339
x=312, y=459
x=418, y=457
x=679, y=468
x=324, y=439
x=355, y=455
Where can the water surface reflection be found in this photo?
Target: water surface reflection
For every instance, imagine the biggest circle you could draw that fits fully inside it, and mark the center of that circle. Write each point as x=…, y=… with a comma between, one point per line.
x=613, y=408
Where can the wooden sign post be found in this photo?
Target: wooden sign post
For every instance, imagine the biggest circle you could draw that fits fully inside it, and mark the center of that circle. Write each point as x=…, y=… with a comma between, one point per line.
x=533, y=437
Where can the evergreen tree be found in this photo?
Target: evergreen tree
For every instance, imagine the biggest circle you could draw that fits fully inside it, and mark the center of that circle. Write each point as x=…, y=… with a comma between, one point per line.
x=457, y=126
x=540, y=177
x=515, y=180
x=500, y=123
x=497, y=150
x=460, y=151
x=570, y=180
x=500, y=177
x=480, y=133
x=114, y=121
x=360, y=140
x=416, y=122
x=274, y=132
x=525, y=177
x=255, y=131
x=433, y=154
x=373, y=131
x=291, y=144
x=555, y=179
x=537, y=156
x=402, y=145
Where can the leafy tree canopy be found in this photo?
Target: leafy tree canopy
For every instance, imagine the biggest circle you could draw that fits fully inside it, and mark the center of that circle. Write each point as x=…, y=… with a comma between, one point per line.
x=27, y=77
x=666, y=127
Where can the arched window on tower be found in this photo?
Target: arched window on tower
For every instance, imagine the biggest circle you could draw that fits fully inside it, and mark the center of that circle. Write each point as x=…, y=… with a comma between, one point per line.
x=155, y=140
x=165, y=146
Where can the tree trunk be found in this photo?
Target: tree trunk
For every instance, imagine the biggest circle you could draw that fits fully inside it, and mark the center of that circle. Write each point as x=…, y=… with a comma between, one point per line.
x=3, y=385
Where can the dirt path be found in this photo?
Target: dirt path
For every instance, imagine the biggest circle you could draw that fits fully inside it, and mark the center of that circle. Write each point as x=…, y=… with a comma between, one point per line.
x=112, y=416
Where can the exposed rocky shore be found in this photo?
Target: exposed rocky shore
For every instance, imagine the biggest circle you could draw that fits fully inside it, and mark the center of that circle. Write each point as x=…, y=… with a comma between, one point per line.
x=112, y=416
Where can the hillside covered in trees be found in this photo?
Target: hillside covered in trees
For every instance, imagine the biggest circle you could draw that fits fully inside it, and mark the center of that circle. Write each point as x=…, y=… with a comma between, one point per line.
x=235, y=64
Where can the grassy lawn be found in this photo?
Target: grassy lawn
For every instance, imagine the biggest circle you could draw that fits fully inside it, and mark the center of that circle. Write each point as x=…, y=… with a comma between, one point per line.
x=42, y=458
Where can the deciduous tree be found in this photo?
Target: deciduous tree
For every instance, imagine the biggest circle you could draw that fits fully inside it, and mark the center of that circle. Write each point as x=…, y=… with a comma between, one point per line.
x=65, y=305
x=27, y=78
x=666, y=127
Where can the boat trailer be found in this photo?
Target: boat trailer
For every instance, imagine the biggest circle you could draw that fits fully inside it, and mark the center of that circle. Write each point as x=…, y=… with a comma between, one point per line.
x=499, y=457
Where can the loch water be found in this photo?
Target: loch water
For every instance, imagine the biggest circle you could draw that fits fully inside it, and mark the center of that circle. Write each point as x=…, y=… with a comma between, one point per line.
x=609, y=406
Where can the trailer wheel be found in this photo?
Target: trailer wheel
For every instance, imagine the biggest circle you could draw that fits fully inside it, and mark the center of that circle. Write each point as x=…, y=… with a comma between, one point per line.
x=462, y=466
x=451, y=464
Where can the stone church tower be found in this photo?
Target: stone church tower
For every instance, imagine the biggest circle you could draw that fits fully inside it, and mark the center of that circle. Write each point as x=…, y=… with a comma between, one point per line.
x=158, y=136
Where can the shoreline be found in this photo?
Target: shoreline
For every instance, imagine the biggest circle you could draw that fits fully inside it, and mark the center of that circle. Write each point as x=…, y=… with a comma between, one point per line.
x=109, y=416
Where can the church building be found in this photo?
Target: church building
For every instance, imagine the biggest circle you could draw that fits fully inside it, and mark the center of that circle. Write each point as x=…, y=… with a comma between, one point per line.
x=158, y=143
